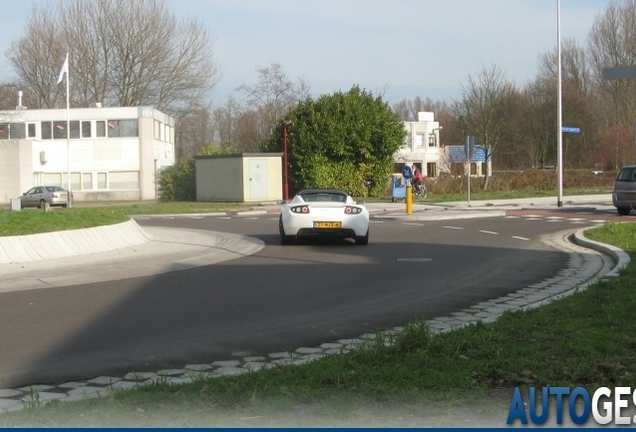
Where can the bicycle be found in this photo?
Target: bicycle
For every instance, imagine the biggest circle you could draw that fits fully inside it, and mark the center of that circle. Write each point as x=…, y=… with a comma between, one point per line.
x=420, y=190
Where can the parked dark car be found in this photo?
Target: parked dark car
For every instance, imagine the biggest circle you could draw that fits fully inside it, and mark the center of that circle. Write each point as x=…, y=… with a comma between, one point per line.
x=624, y=194
x=41, y=196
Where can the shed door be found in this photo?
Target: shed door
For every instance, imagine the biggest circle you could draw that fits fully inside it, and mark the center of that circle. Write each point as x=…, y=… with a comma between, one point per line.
x=257, y=171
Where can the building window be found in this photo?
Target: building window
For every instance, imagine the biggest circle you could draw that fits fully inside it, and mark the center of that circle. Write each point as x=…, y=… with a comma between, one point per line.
x=59, y=130
x=32, y=132
x=75, y=130
x=86, y=129
x=4, y=131
x=431, y=169
x=431, y=140
x=87, y=181
x=123, y=128
x=52, y=179
x=123, y=180
x=100, y=129
x=46, y=130
x=102, y=180
x=157, y=130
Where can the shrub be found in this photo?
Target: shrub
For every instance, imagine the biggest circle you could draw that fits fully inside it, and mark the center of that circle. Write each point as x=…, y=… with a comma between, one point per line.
x=178, y=182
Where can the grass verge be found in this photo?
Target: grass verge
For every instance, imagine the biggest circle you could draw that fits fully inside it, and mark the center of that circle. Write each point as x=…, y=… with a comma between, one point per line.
x=461, y=378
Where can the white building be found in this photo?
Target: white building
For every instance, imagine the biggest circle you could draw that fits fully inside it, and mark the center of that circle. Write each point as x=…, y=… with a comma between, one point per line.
x=112, y=154
x=422, y=145
x=423, y=148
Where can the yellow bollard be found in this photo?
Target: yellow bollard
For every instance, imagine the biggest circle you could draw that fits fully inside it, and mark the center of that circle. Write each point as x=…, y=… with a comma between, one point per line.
x=409, y=200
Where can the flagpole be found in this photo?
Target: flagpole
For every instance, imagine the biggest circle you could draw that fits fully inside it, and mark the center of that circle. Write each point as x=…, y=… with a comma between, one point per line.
x=68, y=136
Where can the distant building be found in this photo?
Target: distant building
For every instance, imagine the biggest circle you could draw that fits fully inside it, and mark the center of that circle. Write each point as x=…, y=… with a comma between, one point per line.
x=112, y=154
x=423, y=147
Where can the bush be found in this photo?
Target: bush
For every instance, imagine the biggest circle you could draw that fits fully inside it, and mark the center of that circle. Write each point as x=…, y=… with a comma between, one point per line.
x=178, y=182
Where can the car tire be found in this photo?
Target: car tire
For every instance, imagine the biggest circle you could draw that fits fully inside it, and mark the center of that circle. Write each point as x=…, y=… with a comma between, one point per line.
x=623, y=211
x=284, y=239
x=363, y=240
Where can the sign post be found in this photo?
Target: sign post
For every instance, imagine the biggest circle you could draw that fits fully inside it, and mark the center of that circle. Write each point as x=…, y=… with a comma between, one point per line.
x=470, y=151
x=407, y=173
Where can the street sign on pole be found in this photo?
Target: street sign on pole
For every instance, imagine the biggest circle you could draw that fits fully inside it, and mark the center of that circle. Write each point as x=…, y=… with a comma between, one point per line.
x=618, y=73
x=570, y=129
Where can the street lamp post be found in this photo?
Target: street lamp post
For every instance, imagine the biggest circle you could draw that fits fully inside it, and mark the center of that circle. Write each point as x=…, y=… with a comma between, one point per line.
x=285, y=124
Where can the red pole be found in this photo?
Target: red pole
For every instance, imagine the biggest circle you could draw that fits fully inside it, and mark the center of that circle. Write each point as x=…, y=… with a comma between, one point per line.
x=285, y=124
x=285, y=160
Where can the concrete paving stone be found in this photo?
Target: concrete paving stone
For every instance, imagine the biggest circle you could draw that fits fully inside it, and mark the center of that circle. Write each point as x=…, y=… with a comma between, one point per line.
x=5, y=393
x=170, y=372
x=229, y=370
x=336, y=351
x=368, y=336
x=180, y=380
x=124, y=385
x=44, y=396
x=37, y=387
x=106, y=380
x=154, y=380
x=348, y=342
x=256, y=365
x=280, y=355
x=282, y=361
x=88, y=391
x=482, y=314
x=331, y=345
x=254, y=359
x=306, y=350
x=198, y=367
x=72, y=384
x=139, y=376
x=465, y=318
x=9, y=405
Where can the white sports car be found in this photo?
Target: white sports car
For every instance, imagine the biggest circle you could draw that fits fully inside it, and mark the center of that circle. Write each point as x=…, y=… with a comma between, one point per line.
x=323, y=212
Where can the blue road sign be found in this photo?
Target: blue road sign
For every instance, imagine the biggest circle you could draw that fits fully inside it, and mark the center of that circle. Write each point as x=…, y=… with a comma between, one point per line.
x=407, y=172
x=569, y=129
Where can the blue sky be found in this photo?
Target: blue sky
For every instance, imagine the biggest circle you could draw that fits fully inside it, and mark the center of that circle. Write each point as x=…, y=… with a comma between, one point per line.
x=413, y=48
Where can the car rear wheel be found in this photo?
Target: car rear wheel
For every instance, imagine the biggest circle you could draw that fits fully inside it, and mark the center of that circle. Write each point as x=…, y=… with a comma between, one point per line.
x=363, y=240
x=284, y=239
x=623, y=211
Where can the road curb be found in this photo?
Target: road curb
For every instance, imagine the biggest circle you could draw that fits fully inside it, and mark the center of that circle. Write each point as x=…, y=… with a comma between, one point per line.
x=621, y=257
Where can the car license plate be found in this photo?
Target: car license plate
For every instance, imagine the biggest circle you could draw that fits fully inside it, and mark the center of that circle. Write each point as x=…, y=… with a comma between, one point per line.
x=630, y=196
x=327, y=225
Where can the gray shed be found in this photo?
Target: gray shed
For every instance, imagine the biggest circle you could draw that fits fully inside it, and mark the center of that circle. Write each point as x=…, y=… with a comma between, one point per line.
x=244, y=177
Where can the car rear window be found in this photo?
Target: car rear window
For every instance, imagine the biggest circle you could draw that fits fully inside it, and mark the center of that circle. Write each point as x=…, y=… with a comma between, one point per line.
x=627, y=174
x=324, y=196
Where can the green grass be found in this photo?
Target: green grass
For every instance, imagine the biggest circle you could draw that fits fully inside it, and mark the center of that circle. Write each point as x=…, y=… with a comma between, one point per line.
x=32, y=220
x=461, y=378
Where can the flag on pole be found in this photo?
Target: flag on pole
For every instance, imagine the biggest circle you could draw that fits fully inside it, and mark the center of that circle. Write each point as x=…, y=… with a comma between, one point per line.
x=64, y=70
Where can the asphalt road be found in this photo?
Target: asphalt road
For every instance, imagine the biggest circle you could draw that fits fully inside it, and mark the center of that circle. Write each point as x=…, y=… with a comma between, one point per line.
x=279, y=298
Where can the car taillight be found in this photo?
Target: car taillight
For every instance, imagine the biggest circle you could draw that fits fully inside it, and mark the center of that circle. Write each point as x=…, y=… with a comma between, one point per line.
x=352, y=210
x=54, y=195
x=300, y=209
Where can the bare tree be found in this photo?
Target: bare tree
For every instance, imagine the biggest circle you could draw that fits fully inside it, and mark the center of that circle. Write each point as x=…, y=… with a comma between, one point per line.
x=122, y=53
x=270, y=99
x=612, y=43
x=487, y=105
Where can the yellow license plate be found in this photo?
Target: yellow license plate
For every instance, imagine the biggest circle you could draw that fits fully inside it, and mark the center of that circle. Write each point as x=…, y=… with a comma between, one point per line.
x=327, y=225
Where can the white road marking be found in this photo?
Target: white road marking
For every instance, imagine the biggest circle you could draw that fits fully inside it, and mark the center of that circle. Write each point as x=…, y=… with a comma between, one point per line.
x=453, y=227
x=521, y=238
x=225, y=217
x=413, y=223
x=415, y=259
x=489, y=232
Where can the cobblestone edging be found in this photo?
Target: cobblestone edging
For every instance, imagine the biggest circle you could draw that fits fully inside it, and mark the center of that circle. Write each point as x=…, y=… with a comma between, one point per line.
x=585, y=266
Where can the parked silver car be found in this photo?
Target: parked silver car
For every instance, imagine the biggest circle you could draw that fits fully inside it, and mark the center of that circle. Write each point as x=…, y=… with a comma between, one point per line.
x=624, y=194
x=41, y=196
